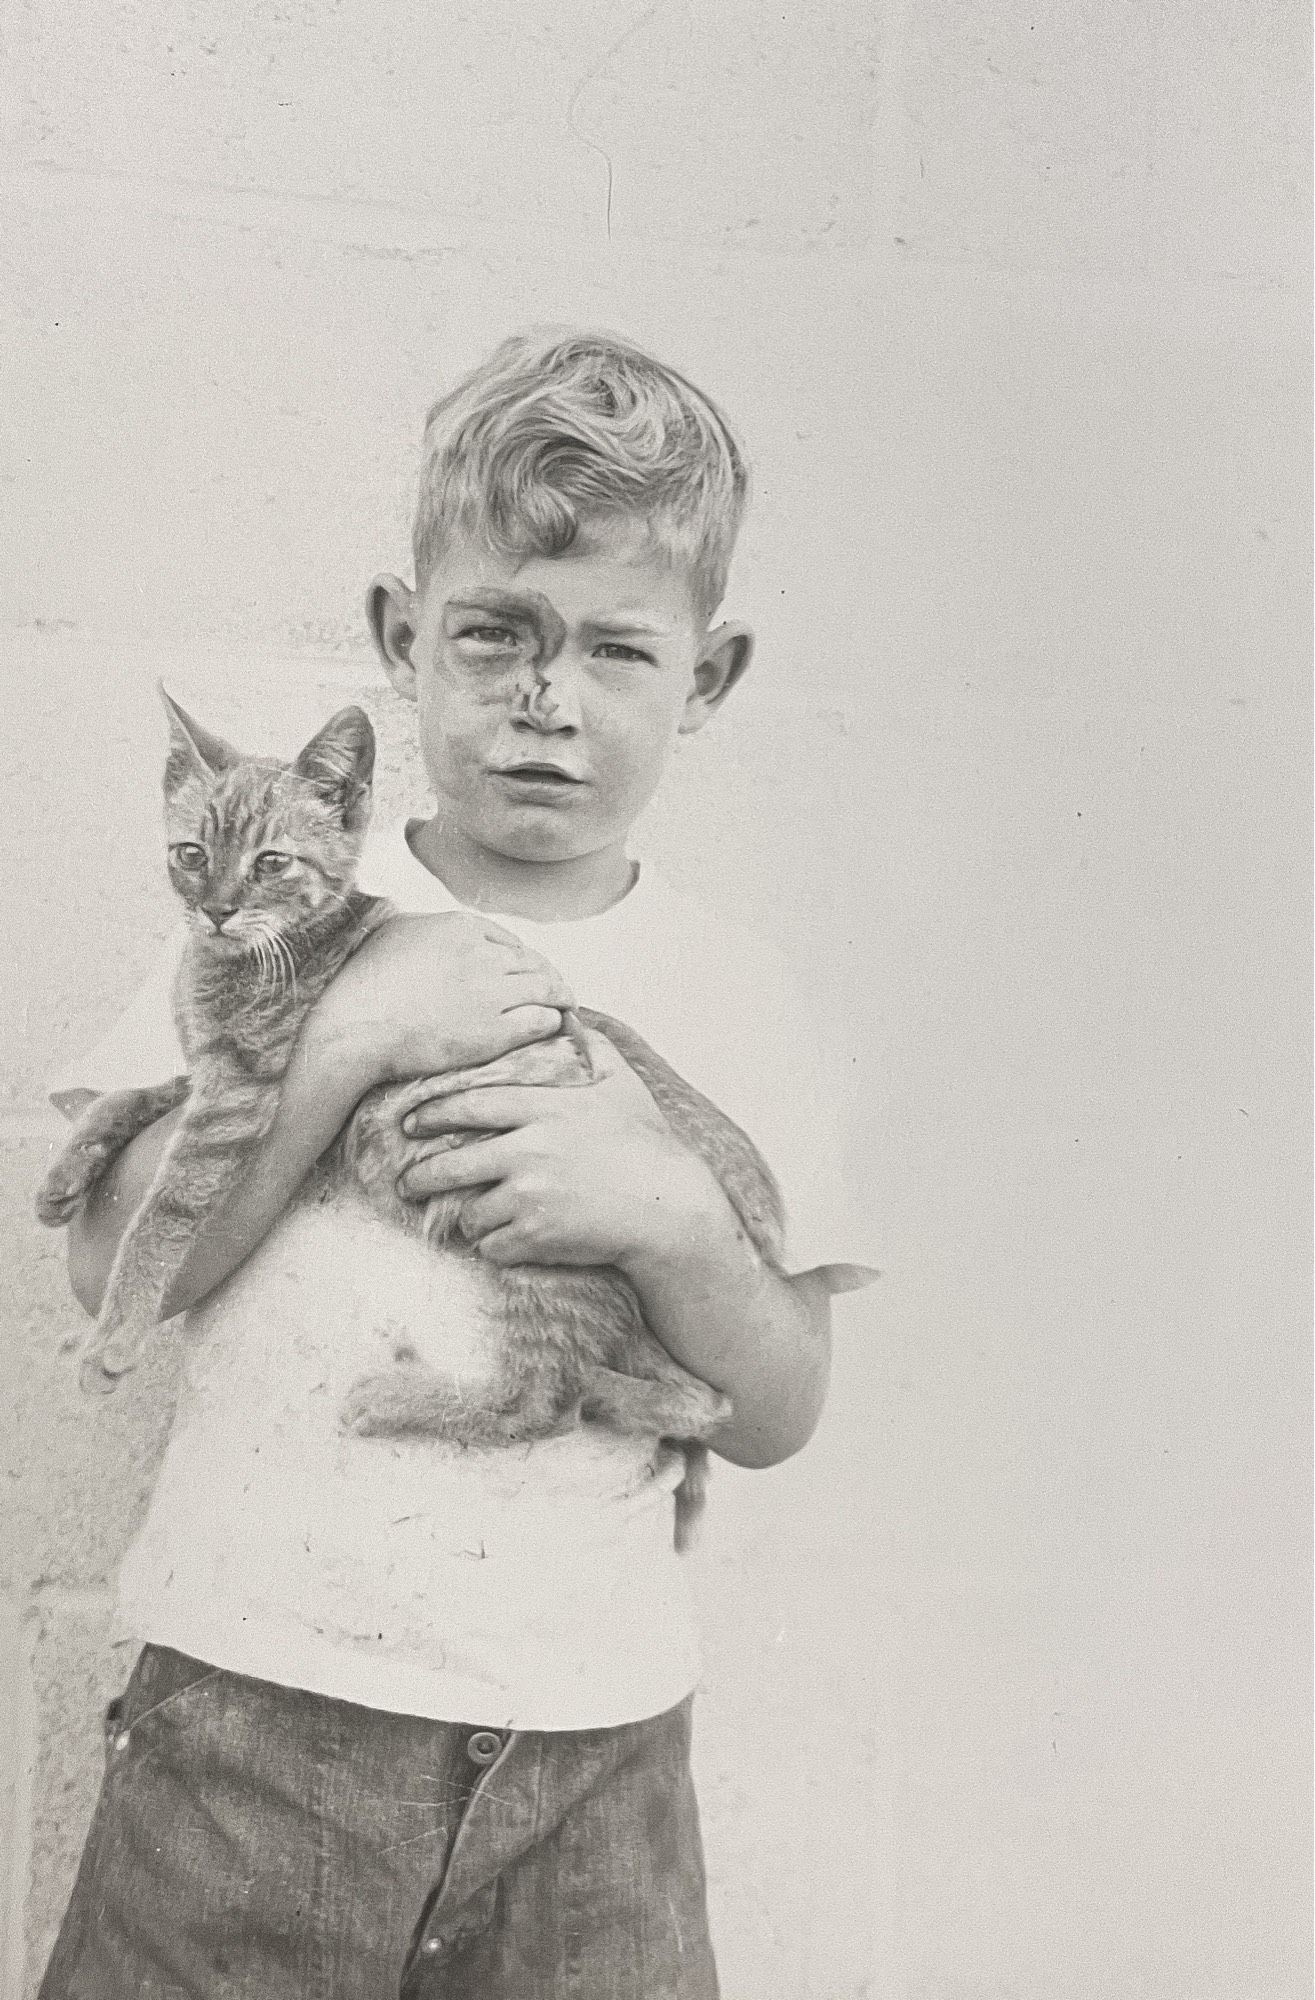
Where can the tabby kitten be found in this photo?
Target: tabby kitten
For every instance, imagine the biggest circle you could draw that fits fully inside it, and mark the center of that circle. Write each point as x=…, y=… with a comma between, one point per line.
x=263, y=855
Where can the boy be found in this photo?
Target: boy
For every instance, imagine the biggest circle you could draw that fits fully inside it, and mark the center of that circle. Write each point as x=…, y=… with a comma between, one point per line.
x=412, y=1721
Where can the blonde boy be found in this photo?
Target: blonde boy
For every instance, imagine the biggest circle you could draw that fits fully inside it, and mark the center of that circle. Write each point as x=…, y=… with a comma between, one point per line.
x=408, y=1720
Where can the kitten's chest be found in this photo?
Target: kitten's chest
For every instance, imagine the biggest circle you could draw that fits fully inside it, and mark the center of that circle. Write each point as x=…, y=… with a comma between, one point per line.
x=231, y=1031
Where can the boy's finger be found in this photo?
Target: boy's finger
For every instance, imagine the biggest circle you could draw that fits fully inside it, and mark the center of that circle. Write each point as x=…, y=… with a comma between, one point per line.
x=481, y=1213
x=472, y=1166
x=536, y=985
x=505, y=1246
x=524, y=961
x=554, y=1061
x=530, y=1022
x=497, y=1108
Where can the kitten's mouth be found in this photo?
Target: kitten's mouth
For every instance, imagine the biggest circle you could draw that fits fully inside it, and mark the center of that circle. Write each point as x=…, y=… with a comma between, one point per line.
x=226, y=932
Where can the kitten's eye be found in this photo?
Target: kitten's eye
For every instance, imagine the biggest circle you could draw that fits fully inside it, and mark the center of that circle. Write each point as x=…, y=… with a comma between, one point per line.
x=269, y=864
x=188, y=856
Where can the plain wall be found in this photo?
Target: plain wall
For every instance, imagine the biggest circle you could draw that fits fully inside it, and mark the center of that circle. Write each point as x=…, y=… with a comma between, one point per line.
x=1007, y=1692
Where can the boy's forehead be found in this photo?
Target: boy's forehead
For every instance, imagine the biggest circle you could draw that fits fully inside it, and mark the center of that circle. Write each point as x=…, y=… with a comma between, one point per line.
x=604, y=576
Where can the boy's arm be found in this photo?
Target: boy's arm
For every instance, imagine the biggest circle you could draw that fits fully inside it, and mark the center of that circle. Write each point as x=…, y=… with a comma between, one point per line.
x=317, y=1100
x=596, y=1176
x=761, y=1337
x=422, y=995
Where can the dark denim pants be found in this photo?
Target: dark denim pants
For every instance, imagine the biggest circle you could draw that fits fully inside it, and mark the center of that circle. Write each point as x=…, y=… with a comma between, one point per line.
x=261, y=1843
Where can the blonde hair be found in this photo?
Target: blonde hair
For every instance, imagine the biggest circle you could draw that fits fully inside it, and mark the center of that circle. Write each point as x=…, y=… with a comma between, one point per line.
x=557, y=429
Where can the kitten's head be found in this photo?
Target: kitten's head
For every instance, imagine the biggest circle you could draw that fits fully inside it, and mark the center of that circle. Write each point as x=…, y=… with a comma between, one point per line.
x=256, y=847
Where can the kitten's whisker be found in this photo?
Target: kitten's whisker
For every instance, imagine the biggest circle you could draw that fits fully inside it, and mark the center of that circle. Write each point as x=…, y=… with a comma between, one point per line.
x=286, y=959
x=258, y=953
x=266, y=962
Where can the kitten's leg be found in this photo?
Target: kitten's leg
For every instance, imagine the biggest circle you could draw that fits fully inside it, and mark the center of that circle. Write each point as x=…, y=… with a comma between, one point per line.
x=682, y=1410
x=550, y=1064
x=199, y=1168
x=415, y=1401
x=678, y=1405
x=100, y=1135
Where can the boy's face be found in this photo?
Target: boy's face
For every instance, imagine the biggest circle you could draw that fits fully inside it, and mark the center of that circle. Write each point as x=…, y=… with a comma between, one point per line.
x=551, y=689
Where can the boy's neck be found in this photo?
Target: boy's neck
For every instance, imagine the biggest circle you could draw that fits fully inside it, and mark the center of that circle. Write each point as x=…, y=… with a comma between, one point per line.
x=543, y=892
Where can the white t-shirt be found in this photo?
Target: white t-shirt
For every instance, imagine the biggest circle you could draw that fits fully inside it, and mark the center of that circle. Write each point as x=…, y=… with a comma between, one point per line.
x=533, y=1586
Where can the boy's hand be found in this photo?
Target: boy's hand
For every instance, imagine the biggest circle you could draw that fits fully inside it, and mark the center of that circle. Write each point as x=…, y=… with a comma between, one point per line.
x=592, y=1175
x=434, y=993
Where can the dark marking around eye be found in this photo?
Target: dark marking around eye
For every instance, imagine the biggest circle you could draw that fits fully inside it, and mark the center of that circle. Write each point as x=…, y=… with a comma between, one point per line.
x=527, y=613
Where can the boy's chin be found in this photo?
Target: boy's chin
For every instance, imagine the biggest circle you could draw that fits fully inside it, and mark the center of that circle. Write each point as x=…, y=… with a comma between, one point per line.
x=537, y=843
x=534, y=832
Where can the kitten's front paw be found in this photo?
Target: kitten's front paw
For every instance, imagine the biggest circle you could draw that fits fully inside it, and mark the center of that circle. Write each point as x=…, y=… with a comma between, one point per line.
x=94, y=1378
x=66, y=1187
x=113, y=1352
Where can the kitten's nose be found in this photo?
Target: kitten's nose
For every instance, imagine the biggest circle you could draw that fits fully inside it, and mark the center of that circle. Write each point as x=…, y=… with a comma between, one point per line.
x=217, y=916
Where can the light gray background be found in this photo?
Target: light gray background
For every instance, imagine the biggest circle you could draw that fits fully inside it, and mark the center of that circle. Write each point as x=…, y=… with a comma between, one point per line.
x=1007, y=1689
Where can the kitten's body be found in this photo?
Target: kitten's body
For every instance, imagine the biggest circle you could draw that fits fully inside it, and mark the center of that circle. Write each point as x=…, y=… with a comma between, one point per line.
x=572, y=1342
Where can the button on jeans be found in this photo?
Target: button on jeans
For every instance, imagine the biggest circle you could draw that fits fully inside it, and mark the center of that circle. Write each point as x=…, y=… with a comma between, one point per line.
x=260, y=1843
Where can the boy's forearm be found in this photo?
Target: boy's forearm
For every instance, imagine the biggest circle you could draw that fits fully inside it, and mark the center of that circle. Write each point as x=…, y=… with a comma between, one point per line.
x=319, y=1092
x=762, y=1338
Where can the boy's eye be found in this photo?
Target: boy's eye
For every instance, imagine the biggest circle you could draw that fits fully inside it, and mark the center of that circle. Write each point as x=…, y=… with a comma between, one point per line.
x=489, y=635
x=270, y=863
x=188, y=856
x=612, y=649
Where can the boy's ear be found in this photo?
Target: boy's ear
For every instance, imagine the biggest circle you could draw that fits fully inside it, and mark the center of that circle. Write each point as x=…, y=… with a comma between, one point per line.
x=723, y=660
x=391, y=610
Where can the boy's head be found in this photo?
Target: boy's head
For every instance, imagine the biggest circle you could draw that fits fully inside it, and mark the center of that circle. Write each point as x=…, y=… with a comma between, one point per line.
x=563, y=429
x=579, y=504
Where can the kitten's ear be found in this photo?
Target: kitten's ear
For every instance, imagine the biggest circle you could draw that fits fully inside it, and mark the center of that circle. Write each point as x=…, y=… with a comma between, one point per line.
x=192, y=748
x=339, y=761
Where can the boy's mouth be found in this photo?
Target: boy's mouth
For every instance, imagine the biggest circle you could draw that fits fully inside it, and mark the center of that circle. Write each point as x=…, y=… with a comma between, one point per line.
x=535, y=775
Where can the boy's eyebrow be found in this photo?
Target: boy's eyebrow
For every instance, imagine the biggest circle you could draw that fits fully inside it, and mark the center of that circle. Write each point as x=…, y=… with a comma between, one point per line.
x=521, y=604
x=623, y=622
x=532, y=604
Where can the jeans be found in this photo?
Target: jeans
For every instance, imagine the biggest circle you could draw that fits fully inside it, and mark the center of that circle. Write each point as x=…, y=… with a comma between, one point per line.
x=258, y=1843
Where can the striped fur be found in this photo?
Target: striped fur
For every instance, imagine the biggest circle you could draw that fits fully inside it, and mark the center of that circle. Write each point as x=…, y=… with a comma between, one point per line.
x=263, y=856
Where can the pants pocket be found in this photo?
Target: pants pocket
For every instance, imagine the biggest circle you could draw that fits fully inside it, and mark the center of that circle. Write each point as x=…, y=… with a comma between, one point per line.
x=159, y=1678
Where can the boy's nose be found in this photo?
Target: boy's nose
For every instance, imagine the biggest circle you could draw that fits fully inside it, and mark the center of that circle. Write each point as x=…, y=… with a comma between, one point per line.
x=549, y=704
